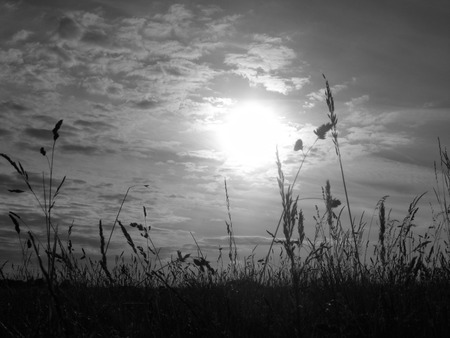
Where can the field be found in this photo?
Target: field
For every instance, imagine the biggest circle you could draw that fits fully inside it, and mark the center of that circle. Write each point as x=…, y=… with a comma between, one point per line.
x=241, y=308
x=340, y=286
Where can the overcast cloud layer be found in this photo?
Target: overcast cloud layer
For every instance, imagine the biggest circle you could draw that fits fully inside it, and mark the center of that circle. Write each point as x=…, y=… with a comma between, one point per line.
x=144, y=87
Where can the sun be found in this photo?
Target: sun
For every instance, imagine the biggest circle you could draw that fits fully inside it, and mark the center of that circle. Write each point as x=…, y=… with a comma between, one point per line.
x=249, y=134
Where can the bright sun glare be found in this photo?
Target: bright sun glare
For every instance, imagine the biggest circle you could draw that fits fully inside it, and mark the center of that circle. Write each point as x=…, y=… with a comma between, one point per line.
x=250, y=134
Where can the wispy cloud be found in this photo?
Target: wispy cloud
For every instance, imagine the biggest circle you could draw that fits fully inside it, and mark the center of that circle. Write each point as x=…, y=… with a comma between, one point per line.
x=319, y=96
x=266, y=62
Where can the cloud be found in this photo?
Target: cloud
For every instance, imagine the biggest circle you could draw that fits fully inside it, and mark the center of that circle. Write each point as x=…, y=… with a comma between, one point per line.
x=103, y=86
x=93, y=125
x=300, y=82
x=82, y=149
x=358, y=101
x=122, y=59
x=240, y=240
x=68, y=29
x=116, y=197
x=375, y=138
x=265, y=54
x=203, y=154
x=42, y=134
x=21, y=35
x=177, y=15
x=12, y=105
x=319, y=95
x=265, y=62
x=146, y=104
x=219, y=102
x=97, y=38
x=211, y=187
x=222, y=27
x=441, y=103
x=11, y=57
x=192, y=167
x=10, y=182
x=4, y=132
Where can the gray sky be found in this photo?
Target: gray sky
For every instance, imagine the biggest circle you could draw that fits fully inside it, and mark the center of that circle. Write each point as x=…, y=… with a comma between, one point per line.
x=181, y=95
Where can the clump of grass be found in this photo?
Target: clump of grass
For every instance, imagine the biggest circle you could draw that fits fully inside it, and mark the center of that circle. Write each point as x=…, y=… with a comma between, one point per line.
x=287, y=197
x=320, y=133
x=46, y=204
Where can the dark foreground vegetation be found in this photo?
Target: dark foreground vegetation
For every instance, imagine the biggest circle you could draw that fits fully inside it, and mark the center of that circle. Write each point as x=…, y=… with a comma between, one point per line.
x=336, y=284
x=234, y=309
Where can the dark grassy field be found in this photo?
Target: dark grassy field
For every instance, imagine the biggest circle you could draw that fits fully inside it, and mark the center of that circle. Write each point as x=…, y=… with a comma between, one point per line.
x=235, y=309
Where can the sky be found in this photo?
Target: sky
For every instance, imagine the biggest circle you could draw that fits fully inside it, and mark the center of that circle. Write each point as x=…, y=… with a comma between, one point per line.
x=171, y=98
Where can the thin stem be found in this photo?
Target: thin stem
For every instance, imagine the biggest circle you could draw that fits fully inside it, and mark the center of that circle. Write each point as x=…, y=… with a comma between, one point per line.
x=333, y=119
x=117, y=217
x=118, y=213
x=352, y=224
x=231, y=240
x=49, y=218
x=301, y=164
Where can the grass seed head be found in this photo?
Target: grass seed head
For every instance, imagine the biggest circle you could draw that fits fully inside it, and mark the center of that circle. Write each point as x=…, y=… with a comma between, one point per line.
x=322, y=131
x=298, y=145
x=55, y=130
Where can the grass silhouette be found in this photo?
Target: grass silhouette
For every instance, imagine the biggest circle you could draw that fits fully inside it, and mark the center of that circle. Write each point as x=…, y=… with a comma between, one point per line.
x=327, y=285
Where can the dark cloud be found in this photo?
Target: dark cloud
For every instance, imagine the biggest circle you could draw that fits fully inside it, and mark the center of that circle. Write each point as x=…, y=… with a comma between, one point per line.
x=146, y=104
x=42, y=134
x=76, y=182
x=203, y=154
x=389, y=187
x=4, y=132
x=240, y=240
x=117, y=197
x=175, y=70
x=96, y=37
x=11, y=105
x=93, y=125
x=62, y=54
x=86, y=150
x=417, y=154
x=101, y=107
x=15, y=181
x=9, y=182
x=68, y=29
x=176, y=196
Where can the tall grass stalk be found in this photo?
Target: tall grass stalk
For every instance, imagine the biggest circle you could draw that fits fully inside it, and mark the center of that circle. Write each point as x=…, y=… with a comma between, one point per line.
x=232, y=248
x=333, y=120
x=442, y=190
